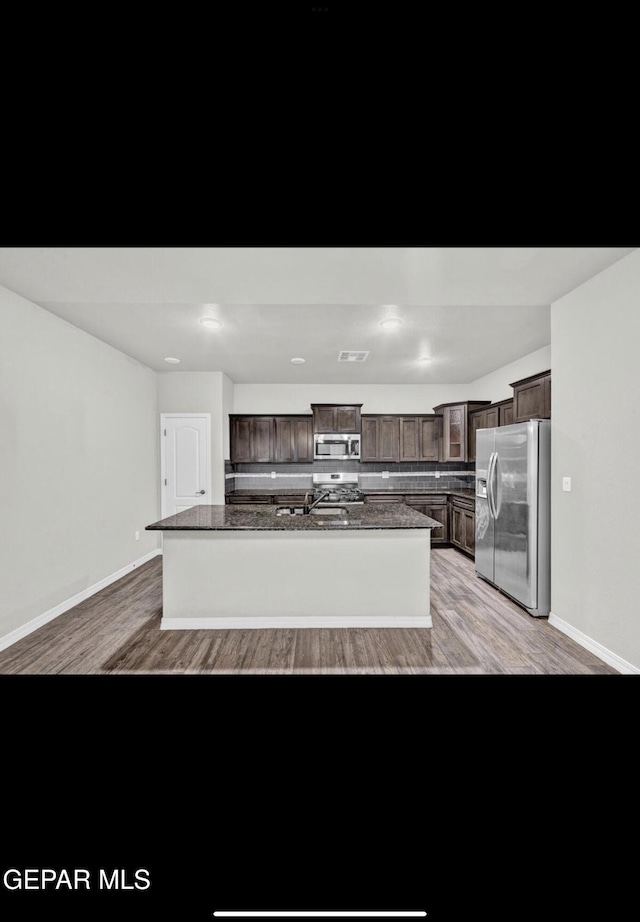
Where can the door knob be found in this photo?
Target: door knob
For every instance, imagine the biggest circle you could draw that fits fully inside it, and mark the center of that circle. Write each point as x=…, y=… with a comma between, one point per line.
x=200, y=492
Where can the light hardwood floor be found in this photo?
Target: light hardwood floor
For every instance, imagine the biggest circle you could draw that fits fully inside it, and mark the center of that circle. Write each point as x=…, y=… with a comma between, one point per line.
x=476, y=630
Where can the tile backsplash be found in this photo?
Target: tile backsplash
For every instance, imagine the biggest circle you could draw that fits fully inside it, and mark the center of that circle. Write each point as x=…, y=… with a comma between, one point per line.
x=403, y=476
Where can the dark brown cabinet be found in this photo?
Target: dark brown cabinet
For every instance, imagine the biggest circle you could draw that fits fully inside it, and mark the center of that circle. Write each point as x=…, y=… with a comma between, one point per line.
x=495, y=415
x=240, y=438
x=329, y=417
x=440, y=513
x=476, y=422
x=291, y=499
x=489, y=418
x=262, y=439
x=233, y=499
x=436, y=507
x=283, y=437
x=389, y=439
x=369, y=441
x=251, y=438
x=384, y=498
x=420, y=438
x=505, y=411
x=409, y=438
x=380, y=438
x=271, y=438
x=457, y=441
x=279, y=499
x=430, y=437
x=532, y=397
x=454, y=426
x=293, y=438
x=463, y=524
x=303, y=440
x=400, y=438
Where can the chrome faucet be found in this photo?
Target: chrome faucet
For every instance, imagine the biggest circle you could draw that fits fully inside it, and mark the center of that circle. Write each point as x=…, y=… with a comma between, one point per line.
x=306, y=509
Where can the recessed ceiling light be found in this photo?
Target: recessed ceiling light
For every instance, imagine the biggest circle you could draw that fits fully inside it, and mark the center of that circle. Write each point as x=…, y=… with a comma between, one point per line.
x=391, y=323
x=172, y=361
x=211, y=323
x=423, y=361
x=298, y=361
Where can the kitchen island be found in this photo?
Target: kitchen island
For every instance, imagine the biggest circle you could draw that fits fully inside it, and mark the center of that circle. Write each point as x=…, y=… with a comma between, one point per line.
x=252, y=566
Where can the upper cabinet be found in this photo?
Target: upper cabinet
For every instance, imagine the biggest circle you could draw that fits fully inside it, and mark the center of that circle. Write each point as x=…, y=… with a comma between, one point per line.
x=489, y=417
x=448, y=434
x=336, y=418
x=293, y=437
x=409, y=438
x=532, y=397
x=505, y=412
x=457, y=441
x=420, y=438
x=241, y=438
x=380, y=438
x=271, y=438
x=400, y=438
x=481, y=419
x=262, y=446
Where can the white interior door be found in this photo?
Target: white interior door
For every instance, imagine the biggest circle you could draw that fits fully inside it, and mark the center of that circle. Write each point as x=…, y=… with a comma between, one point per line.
x=186, y=441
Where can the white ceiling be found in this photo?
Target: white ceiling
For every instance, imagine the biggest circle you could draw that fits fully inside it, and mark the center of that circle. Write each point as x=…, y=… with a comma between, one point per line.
x=471, y=309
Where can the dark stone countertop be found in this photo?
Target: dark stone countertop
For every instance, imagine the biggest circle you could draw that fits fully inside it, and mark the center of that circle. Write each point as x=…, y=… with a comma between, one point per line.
x=406, y=491
x=256, y=517
x=287, y=491
x=417, y=491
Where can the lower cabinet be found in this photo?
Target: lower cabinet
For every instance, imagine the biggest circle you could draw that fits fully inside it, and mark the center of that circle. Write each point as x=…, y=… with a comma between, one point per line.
x=384, y=498
x=279, y=499
x=292, y=499
x=463, y=525
x=455, y=513
x=436, y=507
x=232, y=499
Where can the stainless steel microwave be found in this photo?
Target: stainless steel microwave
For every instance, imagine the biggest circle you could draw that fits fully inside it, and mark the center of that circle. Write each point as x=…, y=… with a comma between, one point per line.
x=335, y=447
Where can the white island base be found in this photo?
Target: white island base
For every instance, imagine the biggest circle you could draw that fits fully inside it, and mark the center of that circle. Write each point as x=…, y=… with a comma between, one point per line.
x=311, y=579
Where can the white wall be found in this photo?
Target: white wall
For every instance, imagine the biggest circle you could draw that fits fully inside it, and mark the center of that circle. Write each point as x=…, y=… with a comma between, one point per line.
x=496, y=384
x=78, y=461
x=595, y=333
x=201, y=392
x=375, y=398
x=228, y=390
x=387, y=398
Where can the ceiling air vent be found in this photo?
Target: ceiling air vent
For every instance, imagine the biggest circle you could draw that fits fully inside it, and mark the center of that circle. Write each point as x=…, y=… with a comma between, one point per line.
x=348, y=356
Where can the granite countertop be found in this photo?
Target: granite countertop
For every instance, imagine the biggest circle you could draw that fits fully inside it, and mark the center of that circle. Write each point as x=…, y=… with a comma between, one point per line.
x=256, y=517
x=417, y=491
x=406, y=491
x=286, y=492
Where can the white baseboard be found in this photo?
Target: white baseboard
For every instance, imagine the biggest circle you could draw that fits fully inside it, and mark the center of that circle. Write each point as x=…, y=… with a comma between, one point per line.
x=612, y=659
x=239, y=623
x=35, y=623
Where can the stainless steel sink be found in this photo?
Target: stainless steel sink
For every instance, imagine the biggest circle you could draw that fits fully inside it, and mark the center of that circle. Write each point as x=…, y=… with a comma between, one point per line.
x=324, y=510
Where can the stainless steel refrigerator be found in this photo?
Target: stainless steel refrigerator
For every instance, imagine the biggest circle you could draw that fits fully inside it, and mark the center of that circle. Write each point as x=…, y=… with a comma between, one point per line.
x=513, y=479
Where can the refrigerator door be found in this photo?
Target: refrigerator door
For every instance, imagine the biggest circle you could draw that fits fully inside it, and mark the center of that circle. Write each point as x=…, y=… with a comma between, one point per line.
x=485, y=456
x=516, y=503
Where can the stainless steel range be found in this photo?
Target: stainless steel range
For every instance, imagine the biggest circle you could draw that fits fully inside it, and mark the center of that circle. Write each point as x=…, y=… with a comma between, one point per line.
x=340, y=488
